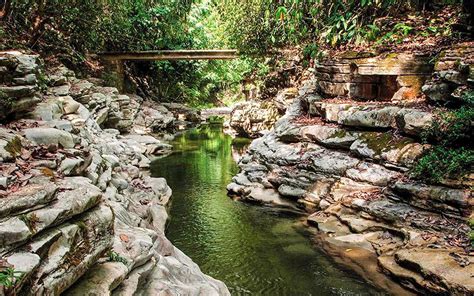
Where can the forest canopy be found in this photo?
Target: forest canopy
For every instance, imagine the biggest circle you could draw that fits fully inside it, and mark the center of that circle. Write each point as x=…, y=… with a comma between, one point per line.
x=72, y=30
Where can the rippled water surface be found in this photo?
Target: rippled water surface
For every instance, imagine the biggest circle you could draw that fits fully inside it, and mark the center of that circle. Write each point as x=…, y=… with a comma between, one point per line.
x=254, y=250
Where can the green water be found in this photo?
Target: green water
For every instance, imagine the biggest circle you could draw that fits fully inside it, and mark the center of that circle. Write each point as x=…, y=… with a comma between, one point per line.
x=254, y=250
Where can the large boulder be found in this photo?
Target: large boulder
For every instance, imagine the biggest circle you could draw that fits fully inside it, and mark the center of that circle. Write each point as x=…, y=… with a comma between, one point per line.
x=251, y=119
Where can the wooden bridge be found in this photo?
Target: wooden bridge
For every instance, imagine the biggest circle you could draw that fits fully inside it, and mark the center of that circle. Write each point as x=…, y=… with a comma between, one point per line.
x=160, y=55
x=114, y=60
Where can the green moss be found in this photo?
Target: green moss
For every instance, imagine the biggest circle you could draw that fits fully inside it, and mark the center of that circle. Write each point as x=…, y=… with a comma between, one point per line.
x=340, y=133
x=82, y=226
x=378, y=142
x=14, y=146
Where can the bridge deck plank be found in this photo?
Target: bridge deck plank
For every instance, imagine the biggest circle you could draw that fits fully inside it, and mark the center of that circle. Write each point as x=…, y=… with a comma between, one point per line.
x=157, y=55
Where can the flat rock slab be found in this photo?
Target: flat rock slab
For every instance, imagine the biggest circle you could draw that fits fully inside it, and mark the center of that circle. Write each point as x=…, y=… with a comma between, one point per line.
x=78, y=246
x=440, y=266
x=386, y=147
x=27, y=197
x=408, y=278
x=76, y=196
x=354, y=240
x=456, y=202
x=101, y=280
x=329, y=136
x=328, y=224
x=47, y=136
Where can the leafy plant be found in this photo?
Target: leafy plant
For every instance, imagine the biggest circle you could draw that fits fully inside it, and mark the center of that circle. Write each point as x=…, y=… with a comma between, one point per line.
x=9, y=277
x=403, y=29
x=441, y=163
x=452, y=128
x=115, y=257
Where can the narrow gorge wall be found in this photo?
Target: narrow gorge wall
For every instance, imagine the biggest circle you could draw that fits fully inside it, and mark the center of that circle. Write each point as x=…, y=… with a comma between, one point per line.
x=343, y=153
x=78, y=212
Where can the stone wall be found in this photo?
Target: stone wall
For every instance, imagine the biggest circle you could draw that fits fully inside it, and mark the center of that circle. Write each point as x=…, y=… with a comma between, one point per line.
x=453, y=71
x=346, y=164
x=78, y=212
x=365, y=76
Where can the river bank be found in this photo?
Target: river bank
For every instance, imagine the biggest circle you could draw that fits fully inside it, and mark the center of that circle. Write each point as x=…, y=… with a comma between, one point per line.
x=79, y=211
x=344, y=152
x=254, y=250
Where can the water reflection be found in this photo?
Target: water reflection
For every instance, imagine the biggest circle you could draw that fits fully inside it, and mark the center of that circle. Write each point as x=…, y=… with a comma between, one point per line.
x=254, y=250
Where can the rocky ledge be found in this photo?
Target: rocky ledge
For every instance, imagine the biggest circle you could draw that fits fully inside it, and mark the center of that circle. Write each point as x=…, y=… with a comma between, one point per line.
x=346, y=161
x=78, y=213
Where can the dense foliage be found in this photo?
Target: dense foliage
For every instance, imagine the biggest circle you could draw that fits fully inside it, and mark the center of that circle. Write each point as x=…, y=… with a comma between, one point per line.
x=263, y=24
x=452, y=155
x=69, y=31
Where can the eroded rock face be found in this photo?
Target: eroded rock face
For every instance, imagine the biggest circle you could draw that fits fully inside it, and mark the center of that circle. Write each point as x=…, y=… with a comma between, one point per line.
x=18, y=83
x=78, y=213
x=454, y=68
x=251, y=119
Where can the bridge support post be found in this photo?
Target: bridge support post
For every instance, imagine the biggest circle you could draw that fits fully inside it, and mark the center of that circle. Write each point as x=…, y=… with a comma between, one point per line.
x=114, y=73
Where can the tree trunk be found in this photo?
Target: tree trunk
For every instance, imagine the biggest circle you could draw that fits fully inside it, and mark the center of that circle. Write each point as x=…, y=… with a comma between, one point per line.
x=5, y=6
x=468, y=6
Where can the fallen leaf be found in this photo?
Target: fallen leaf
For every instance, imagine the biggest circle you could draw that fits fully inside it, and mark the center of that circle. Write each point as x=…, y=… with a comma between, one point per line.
x=124, y=238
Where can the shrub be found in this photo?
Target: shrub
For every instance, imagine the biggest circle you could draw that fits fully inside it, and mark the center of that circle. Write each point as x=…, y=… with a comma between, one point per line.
x=453, y=128
x=441, y=162
x=452, y=155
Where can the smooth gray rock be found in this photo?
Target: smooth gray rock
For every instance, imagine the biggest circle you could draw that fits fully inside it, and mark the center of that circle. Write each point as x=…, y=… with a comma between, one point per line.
x=47, y=136
x=18, y=91
x=414, y=122
x=369, y=117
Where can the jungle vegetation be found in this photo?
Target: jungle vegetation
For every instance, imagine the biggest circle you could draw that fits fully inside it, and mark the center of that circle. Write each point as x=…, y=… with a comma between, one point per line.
x=70, y=31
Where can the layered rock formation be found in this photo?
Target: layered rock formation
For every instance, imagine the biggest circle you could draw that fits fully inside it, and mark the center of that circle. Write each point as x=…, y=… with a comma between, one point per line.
x=78, y=213
x=346, y=163
x=366, y=76
x=18, y=83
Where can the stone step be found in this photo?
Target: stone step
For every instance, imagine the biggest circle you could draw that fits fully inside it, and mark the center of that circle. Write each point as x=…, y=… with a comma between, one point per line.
x=452, y=202
x=410, y=121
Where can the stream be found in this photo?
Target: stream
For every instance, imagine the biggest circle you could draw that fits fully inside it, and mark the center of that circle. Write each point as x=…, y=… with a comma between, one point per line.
x=254, y=250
